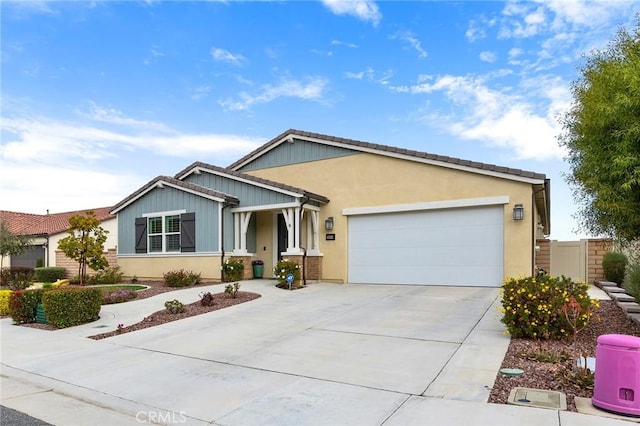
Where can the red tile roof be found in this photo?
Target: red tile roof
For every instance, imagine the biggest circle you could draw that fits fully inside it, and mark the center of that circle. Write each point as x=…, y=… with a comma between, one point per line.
x=46, y=224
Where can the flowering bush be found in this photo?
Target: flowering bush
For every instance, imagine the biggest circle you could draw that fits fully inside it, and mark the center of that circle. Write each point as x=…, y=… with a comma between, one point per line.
x=232, y=290
x=284, y=268
x=535, y=307
x=4, y=301
x=118, y=297
x=232, y=270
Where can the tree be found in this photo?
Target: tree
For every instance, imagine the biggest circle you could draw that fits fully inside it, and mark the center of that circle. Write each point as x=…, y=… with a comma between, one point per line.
x=85, y=243
x=11, y=244
x=601, y=133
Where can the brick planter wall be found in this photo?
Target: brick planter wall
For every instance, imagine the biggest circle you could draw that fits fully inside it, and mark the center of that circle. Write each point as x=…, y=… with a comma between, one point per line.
x=72, y=266
x=314, y=268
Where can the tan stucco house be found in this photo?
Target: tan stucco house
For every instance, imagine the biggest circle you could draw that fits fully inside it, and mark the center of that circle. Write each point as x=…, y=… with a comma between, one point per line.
x=350, y=211
x=46, y=230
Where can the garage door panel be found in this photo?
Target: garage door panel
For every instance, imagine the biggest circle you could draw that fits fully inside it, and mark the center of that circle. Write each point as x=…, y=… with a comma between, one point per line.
x=443, y=247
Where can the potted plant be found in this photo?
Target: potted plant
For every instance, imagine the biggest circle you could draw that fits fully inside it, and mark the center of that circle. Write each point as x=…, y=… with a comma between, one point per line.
x=258, y=268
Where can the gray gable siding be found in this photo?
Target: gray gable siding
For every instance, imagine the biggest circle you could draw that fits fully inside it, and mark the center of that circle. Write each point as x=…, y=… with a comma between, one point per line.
x=249, y=195
x=300, y=151
x=169, y=199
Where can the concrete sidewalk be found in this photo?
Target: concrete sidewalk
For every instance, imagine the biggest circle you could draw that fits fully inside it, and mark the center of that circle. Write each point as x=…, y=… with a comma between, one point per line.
x=324, y=355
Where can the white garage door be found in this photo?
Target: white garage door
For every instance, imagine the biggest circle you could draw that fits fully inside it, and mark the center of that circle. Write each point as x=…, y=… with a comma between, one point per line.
x=462, y=246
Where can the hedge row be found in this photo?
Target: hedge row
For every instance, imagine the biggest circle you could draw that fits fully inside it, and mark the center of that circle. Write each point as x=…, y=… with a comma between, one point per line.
x=63, y=307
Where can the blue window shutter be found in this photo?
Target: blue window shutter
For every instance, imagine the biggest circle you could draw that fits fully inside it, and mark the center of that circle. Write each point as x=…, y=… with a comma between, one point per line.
x=188, y=232
x=141, y=234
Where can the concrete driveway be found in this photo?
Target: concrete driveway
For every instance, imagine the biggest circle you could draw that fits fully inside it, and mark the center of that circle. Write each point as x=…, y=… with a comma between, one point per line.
x=326, y=354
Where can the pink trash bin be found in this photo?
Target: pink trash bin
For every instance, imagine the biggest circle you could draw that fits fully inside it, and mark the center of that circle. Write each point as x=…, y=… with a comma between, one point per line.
x=617, y=375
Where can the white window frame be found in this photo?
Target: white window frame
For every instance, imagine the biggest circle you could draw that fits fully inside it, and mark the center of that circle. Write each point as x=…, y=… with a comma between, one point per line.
x=163, y=217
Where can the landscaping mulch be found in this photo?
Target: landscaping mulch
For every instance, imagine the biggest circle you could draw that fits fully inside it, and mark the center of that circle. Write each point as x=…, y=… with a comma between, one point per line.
x=608, y=319
x=220, y=301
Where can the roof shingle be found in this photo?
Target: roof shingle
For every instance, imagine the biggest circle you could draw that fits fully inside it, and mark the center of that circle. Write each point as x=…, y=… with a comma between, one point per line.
x=46, y=224
x=389, y=149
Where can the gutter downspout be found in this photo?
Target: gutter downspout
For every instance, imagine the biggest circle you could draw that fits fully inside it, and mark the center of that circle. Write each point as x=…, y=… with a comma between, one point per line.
x=304, y=249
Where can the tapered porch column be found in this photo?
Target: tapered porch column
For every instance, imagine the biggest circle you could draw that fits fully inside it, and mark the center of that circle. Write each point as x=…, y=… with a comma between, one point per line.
x=240, y=226
x=292, y=220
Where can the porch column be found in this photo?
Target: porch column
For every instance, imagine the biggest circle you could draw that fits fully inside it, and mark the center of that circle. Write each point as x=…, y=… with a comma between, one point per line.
x=240, y=226
x=292, y=220
x=312, y=232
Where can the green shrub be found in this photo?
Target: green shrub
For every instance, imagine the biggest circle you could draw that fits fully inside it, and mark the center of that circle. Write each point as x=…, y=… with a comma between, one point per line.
x=181, y=278
x=232, y=270
x=50, y=274
x=4, y=301
x=17, y=277
x=39, y=262
x=632, y=281
x=109, y=275
x=174, y=306
x=284, y=268
x=23, y=305
x=232, y=290
x=535, y=307
x=613, y=266
x=67, y=307
x=206, y=299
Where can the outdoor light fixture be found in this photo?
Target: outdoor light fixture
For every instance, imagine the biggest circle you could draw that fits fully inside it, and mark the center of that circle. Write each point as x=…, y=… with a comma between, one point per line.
x=328, y=224
x=518, y=212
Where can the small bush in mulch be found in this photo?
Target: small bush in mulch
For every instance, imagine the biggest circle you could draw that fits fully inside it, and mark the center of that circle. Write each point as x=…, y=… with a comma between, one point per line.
x=174, y=306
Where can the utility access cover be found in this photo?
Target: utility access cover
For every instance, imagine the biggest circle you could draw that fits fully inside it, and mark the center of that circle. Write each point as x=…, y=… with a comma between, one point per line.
x=538, y=398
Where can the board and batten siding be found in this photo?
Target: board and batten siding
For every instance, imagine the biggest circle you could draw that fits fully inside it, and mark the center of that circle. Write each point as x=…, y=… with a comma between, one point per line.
x=249, y=195
x=298, y=151
x=170, y=199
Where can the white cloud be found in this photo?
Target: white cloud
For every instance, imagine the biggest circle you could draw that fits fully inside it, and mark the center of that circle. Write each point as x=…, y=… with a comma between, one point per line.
x=488, y=57
x=200, y=92
x=312, y=89
x=64, y=166
x=110, y=115
x=380, y=77
x=498, y=117
x=342, y=43
x=365, y=10
x=410, y=39
x=223, y=55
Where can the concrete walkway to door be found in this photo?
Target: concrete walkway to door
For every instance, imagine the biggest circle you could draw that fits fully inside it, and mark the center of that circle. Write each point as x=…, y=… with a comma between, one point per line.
x=324, y=355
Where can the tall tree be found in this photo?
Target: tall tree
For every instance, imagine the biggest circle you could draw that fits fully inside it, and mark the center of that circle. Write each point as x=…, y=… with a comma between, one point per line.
x=85, y=243
x=11, y=244
x=601, y=133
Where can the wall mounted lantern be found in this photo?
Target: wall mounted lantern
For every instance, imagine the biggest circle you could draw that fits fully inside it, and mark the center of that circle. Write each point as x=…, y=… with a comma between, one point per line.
x=328, y=224
x=518, y=212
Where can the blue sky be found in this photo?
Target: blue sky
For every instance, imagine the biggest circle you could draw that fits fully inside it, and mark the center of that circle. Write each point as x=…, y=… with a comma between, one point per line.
x=98, y=98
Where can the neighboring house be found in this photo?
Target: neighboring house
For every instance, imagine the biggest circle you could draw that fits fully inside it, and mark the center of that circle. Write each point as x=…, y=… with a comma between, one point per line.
x=46, y=230
x=360, y=212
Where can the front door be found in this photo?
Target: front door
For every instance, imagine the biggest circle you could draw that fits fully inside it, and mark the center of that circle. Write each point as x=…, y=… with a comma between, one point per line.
x=283, y=234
